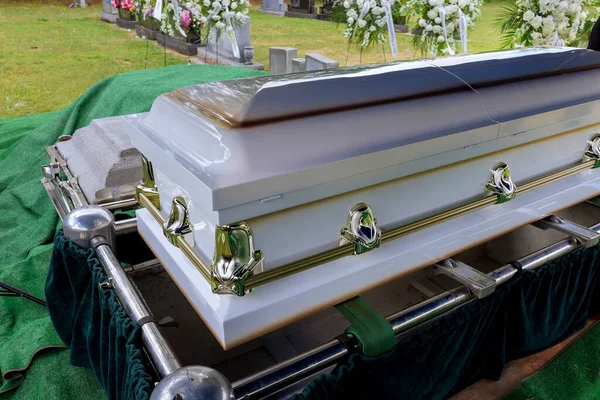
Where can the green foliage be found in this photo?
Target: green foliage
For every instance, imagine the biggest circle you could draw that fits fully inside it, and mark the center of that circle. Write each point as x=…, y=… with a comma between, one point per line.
x=507, y=23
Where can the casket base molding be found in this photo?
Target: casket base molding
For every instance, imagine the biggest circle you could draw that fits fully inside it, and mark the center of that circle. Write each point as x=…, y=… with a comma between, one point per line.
x=235, y=320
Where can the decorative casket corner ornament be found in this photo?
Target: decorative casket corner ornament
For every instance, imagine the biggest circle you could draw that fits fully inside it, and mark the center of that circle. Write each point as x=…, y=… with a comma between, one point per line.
x=147, y=185
x=592, y=150
x=235, y=259
x=361, y=229
x=501, y=184
x=178, y=224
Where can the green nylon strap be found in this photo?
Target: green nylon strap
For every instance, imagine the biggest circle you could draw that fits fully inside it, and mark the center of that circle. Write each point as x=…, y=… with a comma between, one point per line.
x=373, y=332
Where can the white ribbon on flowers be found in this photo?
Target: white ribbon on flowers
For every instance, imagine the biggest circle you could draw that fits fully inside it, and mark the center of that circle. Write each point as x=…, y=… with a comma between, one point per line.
x=157, y=12
x=557, y=40
x=462, y=25
x=390, y=25
x=363, y=12
x=231, y=34
x=442, y=11
x=178, y=17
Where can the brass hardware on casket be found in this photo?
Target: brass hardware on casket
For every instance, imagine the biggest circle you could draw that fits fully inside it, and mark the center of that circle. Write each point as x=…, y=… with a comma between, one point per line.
x=592, y=150
x=501, y=184
x=147, y=185
x=361, y=229
x=253, y=280
x=235, y=259
x=178, y=223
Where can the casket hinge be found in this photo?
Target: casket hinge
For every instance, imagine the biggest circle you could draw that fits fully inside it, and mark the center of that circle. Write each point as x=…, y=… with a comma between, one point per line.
x=147, y=185
x=592, y=150
x=501, y=184
x=361, y=230
x=235, y=259
x=178, y=224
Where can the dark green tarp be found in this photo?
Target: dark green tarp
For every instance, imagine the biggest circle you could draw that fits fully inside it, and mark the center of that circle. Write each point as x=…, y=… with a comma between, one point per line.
x=27, y=217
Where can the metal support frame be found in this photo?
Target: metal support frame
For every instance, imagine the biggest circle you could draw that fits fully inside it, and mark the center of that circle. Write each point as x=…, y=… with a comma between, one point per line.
x=7, y=290
x=282, y=375
x=587, y=237
x=479, y=283
x=203, y=382
x=64, y=191
x=94, y=226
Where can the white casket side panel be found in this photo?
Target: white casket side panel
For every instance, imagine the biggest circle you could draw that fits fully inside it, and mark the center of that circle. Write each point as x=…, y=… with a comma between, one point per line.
x=283, y=236
x=235, y=320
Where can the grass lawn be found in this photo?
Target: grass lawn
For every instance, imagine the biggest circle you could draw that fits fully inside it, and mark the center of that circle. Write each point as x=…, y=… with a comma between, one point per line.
x=50, y=54
x=326, y=38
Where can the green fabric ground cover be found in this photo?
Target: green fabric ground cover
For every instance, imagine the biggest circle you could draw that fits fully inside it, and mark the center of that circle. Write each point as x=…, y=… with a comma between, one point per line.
x=27, y=217
x=573, y=375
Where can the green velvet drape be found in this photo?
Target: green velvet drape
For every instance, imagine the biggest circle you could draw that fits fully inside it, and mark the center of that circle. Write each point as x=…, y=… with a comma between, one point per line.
x=93, y=324
x=533, y=311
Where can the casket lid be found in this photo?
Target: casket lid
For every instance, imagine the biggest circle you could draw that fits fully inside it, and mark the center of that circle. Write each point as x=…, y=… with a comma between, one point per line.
x=258, y=100
x=236, y=146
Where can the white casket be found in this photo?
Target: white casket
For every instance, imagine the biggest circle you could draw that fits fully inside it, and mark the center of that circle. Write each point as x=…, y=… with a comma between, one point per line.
x=279, y=196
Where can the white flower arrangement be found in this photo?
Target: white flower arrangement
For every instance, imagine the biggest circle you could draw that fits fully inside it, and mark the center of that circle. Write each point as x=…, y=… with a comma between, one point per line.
x=546, y=22
x=223, y=16
x=367, y=21
x=170, y=21
x=443, y=23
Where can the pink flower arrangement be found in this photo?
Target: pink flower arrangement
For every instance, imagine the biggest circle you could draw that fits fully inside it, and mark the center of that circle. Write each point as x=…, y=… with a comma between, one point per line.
x=115, y=3
x=128, y=5
x=185, y=19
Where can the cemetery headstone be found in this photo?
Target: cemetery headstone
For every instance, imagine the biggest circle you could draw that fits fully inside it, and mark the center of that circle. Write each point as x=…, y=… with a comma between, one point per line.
x=316, y=61
x=301, y=9
x=400, y=25
x=298, y=65
x=108, y=14
x=275, y=7
x=221, y=51
x=324, y=13
x=280, y=59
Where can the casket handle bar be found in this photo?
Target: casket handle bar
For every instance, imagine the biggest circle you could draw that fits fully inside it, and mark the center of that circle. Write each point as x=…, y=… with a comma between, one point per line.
x=147, y=185
x=361, y=230
x=246, y=282
x=303, y=366
x=94, y=226
x=478, y=283
x=178, y=224
x=501, y=184
x=592, y=150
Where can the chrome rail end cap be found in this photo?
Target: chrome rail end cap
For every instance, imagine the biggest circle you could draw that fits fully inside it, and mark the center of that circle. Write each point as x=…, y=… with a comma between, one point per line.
x=194, y=382
x=84, y=223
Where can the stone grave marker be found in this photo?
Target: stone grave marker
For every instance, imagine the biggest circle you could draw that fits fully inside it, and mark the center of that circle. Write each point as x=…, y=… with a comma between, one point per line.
x=280, y=59
x=275, y=7
x=316, y=61
x=301, y=9
x=298, y=64
x=108, y=14
x=221, y=52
